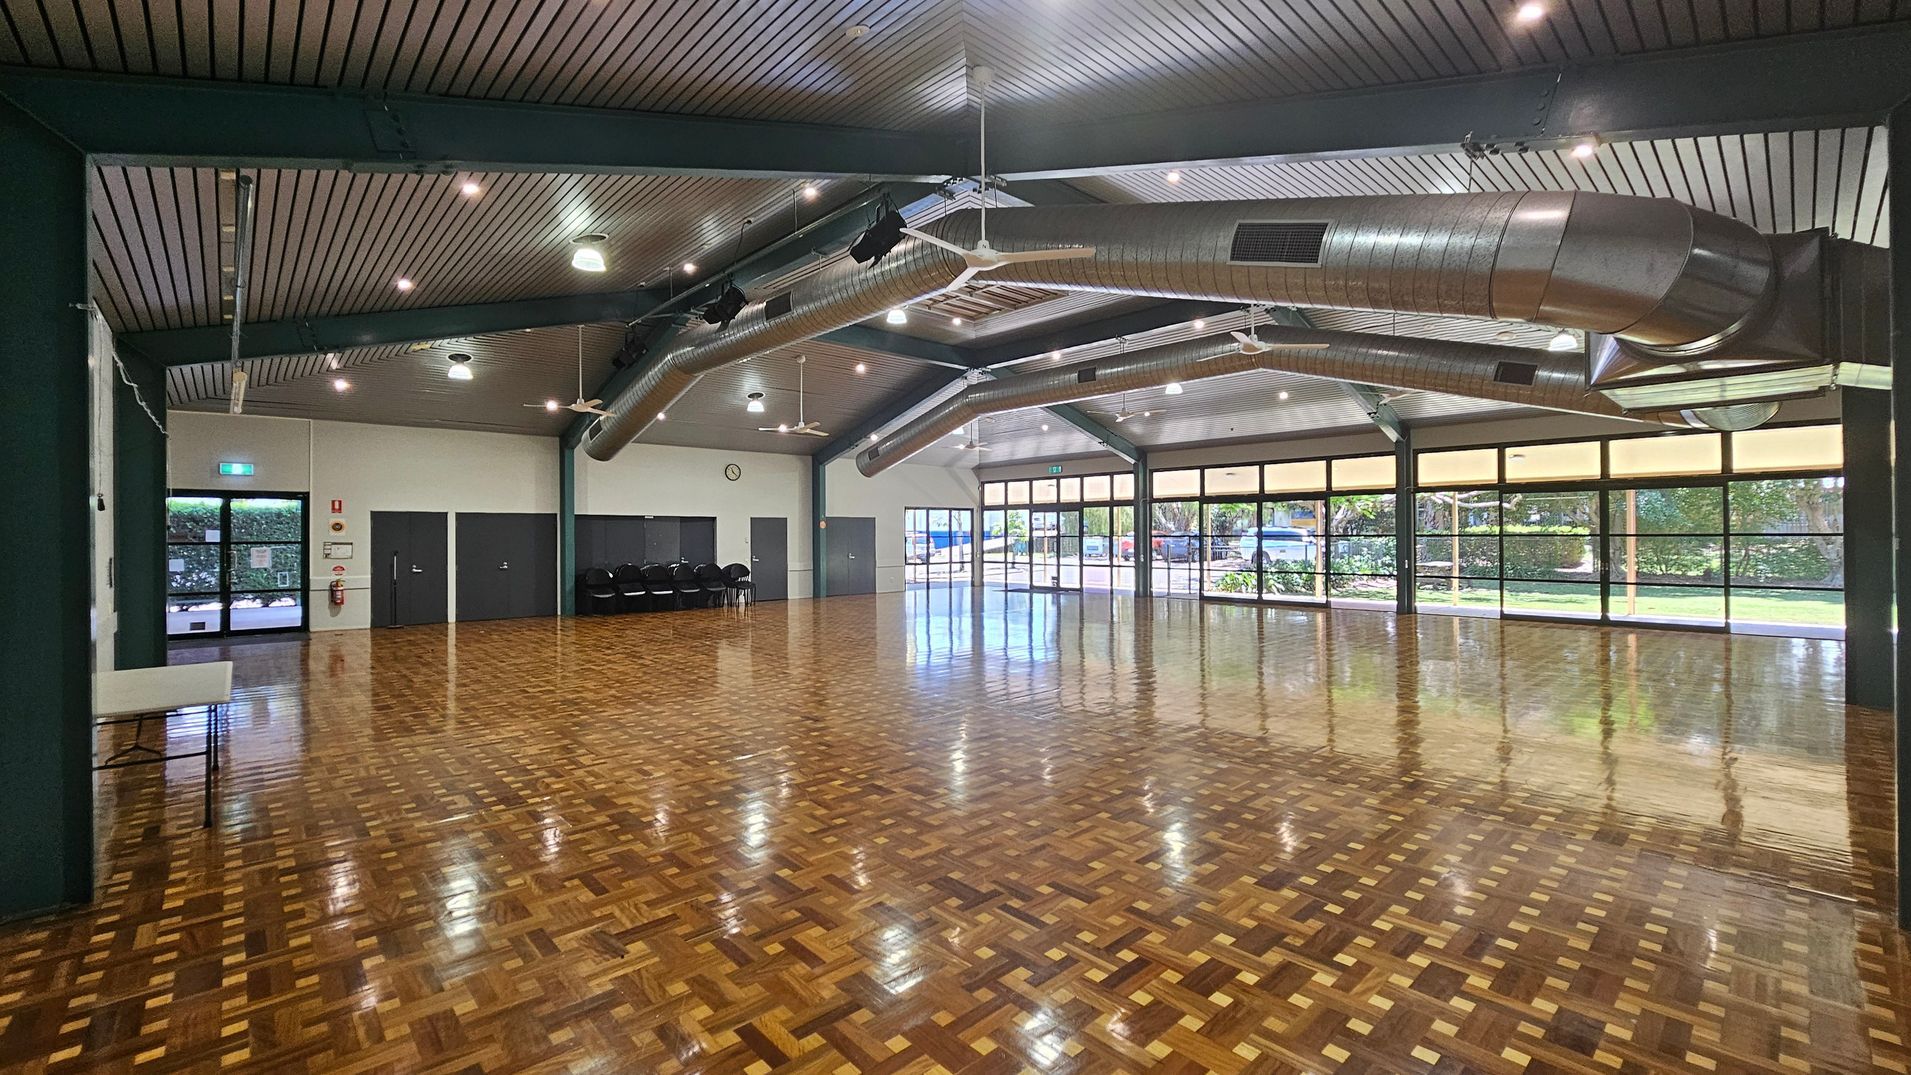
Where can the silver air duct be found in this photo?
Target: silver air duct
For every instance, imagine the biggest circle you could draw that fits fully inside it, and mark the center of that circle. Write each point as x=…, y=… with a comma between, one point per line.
x=840, y=294
x=1661, y=277
x=1550, y=379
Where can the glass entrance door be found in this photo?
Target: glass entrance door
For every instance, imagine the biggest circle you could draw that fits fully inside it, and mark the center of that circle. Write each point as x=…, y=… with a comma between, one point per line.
x=1055, y=549
x=235, y=564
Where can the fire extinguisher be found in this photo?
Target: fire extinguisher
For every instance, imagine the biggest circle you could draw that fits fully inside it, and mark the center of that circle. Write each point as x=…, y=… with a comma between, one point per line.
x=338, y=591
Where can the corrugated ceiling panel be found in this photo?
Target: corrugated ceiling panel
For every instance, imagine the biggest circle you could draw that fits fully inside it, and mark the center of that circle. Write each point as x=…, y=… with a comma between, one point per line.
x=334, y=242
x=792, y=61
x=397, y=385
x=712, y=413
x=1776, y=182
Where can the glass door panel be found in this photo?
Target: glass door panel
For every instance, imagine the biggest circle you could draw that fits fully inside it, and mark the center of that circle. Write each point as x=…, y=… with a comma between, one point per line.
x=234, y=564
x=1068, y=547
x=1177, y=547
x=1228, y=550
x=1098, y=547
x=1290, y=550
x=195, y=594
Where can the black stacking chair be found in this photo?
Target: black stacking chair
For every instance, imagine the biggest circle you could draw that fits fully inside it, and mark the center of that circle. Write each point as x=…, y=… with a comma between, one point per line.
x=684, y=583
x=711, y=581
x=658, y=586
x=630, y=587
x=737, y=578
x=600, y=590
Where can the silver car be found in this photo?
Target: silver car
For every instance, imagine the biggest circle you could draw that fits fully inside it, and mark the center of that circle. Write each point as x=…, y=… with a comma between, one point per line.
x=1277, y=544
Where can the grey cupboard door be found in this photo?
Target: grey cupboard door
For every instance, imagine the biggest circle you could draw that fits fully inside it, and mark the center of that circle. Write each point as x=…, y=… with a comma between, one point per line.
x=507, y=565
x=770, y=558
x=409, y=568
x=852, y=555
x=661, y=543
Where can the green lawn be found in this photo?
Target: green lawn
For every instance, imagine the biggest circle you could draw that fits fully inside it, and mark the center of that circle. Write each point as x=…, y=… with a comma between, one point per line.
x=1816, y=608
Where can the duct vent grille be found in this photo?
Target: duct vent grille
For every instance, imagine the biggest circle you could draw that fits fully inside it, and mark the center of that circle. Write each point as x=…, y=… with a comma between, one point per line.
x=1515, y=372
x=1281, y=242
x=776, y=306
x=1085, y=376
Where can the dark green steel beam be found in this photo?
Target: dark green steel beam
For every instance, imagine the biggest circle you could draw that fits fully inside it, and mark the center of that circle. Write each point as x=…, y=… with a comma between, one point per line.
x=1158, y=316
x=193, y=123
x=919, y=392
x=1794, y=82
x=1378, y=409
x=1899, y=180
x=566, y=529
x=1110, y=439
x=951, y=355
x=306, y=335
x=819, y=534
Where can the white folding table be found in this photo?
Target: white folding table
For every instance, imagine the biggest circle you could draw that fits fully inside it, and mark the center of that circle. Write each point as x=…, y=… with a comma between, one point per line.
x=142, y=694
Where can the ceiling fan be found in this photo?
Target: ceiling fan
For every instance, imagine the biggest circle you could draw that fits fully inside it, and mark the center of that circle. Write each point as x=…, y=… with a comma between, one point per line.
x=983, y=256
x=807, y=429
x=1252, y=344
x=582, y=405
x=975, y=439
x=1124, y=413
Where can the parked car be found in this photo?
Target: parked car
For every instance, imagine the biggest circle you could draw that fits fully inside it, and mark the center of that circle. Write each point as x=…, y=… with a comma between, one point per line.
x=1094, y=547
x=1274, y=544
x=1176, y=546
x=1125, y=547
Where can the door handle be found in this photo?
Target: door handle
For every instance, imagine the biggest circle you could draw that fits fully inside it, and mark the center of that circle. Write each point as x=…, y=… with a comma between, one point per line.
x=506, y=566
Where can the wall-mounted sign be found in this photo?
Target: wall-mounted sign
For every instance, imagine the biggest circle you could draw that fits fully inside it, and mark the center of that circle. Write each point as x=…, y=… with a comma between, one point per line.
x=235, y=470
x=338, y=550
x=262, y=556
x=1054, y=468
x=338, y=507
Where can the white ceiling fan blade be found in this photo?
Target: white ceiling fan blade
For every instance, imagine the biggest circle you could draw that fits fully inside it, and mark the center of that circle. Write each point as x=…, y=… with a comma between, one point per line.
x=592, y=402
x=962, y=278
x=935, y=240
x=812, y=432
x=539, y=406
x=770, y=429
x=1062, y=254
x=597, y=412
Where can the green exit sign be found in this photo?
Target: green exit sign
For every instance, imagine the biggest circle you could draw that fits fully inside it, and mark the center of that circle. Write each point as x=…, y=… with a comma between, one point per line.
x=1055, y=468
x=235, y=470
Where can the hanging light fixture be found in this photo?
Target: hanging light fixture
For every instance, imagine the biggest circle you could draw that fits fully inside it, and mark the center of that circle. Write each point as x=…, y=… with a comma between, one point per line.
x=1174, y=388
x=460, y=368
x=897, y=316
x=589, y=255
x=1563, y=340
x=755, y=406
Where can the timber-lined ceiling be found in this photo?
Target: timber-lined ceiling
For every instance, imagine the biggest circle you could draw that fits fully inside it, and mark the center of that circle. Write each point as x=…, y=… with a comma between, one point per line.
x=333, y=242
x=795, y=61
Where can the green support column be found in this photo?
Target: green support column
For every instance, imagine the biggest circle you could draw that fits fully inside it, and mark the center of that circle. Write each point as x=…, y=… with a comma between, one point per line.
x=1899, y=179
x=1405, y=553
x=1867, y=429
x=139, y=512
x=566, y=528
x=46, y=786
x=819, y=536
x=1144, y=529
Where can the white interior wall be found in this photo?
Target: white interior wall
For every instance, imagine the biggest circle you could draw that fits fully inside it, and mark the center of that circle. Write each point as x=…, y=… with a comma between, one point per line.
x=370, y=468
x=654, y=479
x=885, y=497
x=659, y=479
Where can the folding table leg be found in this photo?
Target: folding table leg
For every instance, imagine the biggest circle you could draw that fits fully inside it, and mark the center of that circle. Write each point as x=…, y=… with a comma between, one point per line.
x=211, y=755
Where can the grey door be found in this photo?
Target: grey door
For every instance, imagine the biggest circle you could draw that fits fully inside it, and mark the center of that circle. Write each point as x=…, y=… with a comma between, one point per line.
x=408, y=564
x=507, y=565
x=770, y=558
x=697, y=539
x=852, y=555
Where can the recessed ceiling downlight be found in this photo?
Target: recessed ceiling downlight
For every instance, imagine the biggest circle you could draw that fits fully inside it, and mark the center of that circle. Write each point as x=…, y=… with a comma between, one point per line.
x=460, y=368
x=588, y=252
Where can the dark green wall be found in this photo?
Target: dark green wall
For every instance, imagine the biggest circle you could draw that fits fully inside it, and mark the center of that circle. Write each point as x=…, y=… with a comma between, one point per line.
x=139, y=514
x=46, y=802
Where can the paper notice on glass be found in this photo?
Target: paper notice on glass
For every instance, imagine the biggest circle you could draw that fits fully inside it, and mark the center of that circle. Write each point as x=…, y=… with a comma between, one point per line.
x=212, y=537
x=261, y=556
x=176, y=565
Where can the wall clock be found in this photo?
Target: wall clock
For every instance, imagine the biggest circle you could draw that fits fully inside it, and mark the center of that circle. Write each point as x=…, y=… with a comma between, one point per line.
x=732, y=471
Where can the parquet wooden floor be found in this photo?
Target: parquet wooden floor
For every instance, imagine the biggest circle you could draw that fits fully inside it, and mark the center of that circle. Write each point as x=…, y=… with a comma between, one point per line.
x=912, y=833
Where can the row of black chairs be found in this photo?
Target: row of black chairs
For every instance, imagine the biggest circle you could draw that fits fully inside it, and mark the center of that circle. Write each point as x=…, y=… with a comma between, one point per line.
x=656, y=587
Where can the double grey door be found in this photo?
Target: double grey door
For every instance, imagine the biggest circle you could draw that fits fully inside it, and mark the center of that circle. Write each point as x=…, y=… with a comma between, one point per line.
x=507, y=565
x=770, y=558
x=409, y=568
x=852, y=555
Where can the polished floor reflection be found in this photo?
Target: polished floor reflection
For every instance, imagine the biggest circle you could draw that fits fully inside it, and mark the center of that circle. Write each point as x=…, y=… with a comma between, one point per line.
x=998, y=832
